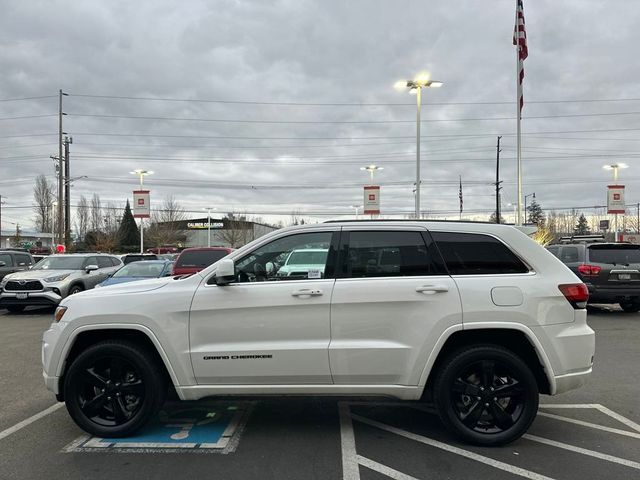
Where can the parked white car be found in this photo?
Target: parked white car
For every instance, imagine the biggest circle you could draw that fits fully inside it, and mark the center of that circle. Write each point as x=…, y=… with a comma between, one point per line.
x=476, y=318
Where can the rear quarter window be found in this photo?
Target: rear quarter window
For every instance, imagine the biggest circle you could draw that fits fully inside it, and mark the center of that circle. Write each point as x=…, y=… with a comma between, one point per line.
x=476, y=254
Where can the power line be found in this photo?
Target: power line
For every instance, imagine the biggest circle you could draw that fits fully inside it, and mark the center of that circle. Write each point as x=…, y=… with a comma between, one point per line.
x=341, y=104
x=340, y=122
x=27, y=98
x=29, y=116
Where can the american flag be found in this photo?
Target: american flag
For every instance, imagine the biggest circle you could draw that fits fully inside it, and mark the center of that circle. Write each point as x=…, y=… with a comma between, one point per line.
x=460, y=195
x=520, y=39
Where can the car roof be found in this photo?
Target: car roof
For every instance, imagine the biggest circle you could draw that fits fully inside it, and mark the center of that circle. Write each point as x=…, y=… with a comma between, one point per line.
x=151, y=262
x=435, y=225
x=196, y=249
x=81, y=255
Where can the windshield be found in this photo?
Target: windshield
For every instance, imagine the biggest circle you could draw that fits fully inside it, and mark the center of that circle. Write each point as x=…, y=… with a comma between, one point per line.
x=618, y=255
x=60, y=263
x=143, y=269
x=200, y=258
x=302, y=257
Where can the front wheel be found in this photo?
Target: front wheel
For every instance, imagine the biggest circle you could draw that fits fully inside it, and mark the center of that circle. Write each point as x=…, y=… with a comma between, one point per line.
x=486, y=395
x=113, y=388
x=75, y=289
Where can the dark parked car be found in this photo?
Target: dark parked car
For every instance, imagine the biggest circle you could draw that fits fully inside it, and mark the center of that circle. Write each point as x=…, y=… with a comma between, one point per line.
x=137, y=257
x=611, y=271
x=192, y=260
x=14, y=261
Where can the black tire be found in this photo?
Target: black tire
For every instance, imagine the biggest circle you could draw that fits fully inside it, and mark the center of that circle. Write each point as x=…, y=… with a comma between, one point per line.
x=15, y=308
x=114, y=388
x=630, y=307
x=470, y=392
x=75, y=289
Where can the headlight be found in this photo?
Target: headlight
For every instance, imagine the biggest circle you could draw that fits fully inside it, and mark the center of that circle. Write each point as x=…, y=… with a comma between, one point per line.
x=60, y=311
x=57, y=278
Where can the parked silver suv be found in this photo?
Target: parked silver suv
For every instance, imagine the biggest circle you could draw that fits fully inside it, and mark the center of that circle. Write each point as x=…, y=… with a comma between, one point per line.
x=54, y=278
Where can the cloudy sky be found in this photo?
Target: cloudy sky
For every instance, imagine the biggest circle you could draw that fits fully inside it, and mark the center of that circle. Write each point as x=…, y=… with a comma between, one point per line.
x=270, y=107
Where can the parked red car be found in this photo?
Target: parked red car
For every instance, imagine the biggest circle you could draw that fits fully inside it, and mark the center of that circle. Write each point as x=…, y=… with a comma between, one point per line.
x=192, y=260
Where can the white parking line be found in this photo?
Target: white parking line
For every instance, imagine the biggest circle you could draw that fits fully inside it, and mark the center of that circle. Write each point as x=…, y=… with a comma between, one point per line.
x=590, y=425
x=583, y=451
x=383, y=469
x=350, y=469
x=30, y=420
x=450, y=448
x=617, y=416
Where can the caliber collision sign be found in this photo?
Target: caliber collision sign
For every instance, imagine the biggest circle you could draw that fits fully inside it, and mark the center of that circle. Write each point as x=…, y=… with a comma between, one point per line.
x=615, y=199
x=141, y=204
x=371, y=200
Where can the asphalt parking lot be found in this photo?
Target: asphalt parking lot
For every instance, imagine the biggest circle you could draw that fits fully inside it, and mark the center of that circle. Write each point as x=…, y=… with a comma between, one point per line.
x=589, y=433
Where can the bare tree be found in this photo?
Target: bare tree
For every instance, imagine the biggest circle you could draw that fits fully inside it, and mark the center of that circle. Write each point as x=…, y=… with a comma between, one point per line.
x=82, y=217
x=96, y=213
x=165, y=228
x=43, y=196
x=237, y=230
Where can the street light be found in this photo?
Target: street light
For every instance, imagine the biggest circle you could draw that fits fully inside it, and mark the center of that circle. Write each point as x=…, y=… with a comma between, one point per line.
x=356, y=207
x=208, y=209
x=525, y=204
x=141, y=173
x=615, y=167
x=371, y=168
x=415, y=86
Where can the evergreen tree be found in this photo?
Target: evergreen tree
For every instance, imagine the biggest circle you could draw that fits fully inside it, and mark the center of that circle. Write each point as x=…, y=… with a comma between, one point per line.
x=582, y=227
x=128, y=234
x=535, y=215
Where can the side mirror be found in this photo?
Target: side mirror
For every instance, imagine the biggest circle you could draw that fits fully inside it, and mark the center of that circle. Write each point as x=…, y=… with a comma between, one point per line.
x=90, y=268
x=225, y=272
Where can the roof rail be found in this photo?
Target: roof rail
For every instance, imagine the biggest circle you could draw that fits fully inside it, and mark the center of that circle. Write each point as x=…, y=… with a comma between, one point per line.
x=583, y=239
x=366, y=220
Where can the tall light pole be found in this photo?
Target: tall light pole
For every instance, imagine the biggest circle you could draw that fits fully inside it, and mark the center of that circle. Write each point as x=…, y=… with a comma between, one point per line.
x=416, y=86
x=525, y=204
x=356, y=208
x=615, y=167
x=371, y=169
x=141, y=174
x=208, y=209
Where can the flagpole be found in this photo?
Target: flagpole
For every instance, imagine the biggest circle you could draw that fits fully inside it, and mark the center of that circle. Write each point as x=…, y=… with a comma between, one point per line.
x=518, y=116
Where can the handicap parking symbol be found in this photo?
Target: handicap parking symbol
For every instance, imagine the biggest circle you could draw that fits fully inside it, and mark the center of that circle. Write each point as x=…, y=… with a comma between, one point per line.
x=197, y=426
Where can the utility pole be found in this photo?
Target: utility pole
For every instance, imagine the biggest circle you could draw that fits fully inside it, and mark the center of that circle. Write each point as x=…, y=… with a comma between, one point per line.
x=498, y=187
x=67, y=194
x=1, y=221
x=61, y=174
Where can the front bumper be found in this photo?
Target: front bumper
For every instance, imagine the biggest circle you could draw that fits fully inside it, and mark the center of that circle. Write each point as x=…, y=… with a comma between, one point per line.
x=43, y=298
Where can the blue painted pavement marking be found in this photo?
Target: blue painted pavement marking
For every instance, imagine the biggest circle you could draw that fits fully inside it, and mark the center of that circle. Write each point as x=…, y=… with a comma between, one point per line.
x=213, y=426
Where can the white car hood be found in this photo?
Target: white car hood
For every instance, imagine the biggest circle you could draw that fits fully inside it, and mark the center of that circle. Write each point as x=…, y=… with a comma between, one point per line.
x=132, y=287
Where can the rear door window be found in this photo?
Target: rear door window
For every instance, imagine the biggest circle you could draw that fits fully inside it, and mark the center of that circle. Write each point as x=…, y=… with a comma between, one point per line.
x=615, y=254
x=476, y=254
x=104, y=262
x=388, y=254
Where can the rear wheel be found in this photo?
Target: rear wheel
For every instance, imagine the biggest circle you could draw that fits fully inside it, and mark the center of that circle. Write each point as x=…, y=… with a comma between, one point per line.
x=15, y=308
x=630, y=307
x=113, y=388
x=486, y=395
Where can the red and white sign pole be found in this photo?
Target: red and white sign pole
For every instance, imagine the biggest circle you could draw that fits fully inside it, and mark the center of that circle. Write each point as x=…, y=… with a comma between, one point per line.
x=141, y=204
x=615, y=204
x=371, y=201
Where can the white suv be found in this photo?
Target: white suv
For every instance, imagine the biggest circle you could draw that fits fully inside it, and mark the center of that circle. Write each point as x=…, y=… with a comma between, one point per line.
x=476, y=318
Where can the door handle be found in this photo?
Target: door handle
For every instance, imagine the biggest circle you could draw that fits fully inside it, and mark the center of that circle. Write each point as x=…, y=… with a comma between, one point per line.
x=430, y=289
x=306, y=292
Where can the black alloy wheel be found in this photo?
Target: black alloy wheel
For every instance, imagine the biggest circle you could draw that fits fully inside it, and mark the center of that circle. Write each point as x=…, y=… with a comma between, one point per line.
x=113, y=388
x=486, y=395
x=75, y=289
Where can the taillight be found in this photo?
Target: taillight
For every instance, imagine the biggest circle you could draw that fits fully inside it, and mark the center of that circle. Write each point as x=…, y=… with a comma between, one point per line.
x=576, y=294
x=589, y=270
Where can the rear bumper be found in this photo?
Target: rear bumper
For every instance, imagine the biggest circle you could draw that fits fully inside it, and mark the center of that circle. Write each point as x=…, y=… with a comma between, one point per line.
x=45, y=298
x=571, y=381
x=612, y=293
